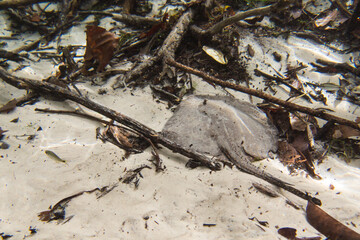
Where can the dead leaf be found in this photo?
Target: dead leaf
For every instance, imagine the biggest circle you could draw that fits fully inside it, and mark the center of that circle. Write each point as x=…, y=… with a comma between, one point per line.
x=290, y=233
x=342, y=131
x=330, y=16
x=215, y=54
x=250, y=50
x=124, y=138
x=288, y=154
x=100, y=46
x=35, y=18
x=328, y=225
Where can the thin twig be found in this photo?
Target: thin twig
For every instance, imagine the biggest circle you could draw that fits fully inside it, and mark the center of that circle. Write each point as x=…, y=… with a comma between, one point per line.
x=265, y=96
x=48, y=88
x=239, y=16
x=283, y=81
x=34, y=44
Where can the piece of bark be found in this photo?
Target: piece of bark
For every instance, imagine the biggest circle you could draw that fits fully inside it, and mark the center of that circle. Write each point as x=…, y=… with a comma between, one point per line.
x=328, y=225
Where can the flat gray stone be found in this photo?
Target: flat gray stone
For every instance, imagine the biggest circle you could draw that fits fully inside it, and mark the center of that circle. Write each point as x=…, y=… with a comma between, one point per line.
x=206, y=123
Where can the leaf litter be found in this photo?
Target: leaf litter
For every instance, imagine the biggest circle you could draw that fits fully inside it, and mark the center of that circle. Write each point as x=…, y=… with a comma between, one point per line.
x=101, y=46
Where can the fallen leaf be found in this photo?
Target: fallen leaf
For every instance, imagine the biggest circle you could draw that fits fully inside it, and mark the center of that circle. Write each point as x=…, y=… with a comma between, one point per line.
x=250, y=50
x=100, y=46
x=289, y=233
x=328, y=225
x=215, y=54
x=288, y=154
x=330, y=16
x=35, y=18
x=342, y=131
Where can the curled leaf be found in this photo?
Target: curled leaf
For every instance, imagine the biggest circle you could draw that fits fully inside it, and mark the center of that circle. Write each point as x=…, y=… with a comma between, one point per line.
x=290, y=233
x=215, y=54
x=100, y=46
x=328, y=225
x=330, y=16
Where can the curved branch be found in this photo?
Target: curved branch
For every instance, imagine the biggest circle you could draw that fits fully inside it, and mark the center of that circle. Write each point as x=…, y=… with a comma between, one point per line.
x=239, y=16
x=295, y=107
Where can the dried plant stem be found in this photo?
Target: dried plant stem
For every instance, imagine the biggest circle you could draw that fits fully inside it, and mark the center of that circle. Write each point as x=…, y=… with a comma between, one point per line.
x=48, y=88
x=239, y=16
x=289, y=105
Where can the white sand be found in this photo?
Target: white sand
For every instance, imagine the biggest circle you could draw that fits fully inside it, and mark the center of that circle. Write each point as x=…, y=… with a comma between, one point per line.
x=176, y=202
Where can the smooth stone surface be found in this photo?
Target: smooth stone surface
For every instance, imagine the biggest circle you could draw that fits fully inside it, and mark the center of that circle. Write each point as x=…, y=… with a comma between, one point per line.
x=205, y=123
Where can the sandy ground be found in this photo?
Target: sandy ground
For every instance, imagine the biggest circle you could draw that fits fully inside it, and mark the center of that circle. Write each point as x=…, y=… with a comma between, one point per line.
x=174, y=204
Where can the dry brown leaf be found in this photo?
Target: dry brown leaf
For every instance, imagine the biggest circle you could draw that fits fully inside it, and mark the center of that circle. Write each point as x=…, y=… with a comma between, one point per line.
x=342, y=131
x=289, y=233
x=35, y=18
x=100, y=46
x=328, y=225
x=288, y=154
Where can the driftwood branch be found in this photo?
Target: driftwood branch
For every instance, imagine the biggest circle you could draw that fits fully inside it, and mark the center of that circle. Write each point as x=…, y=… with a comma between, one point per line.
x=48, y=88
x=170, y=45
x=289, y=105
x=173, y=40
x=239, y=16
